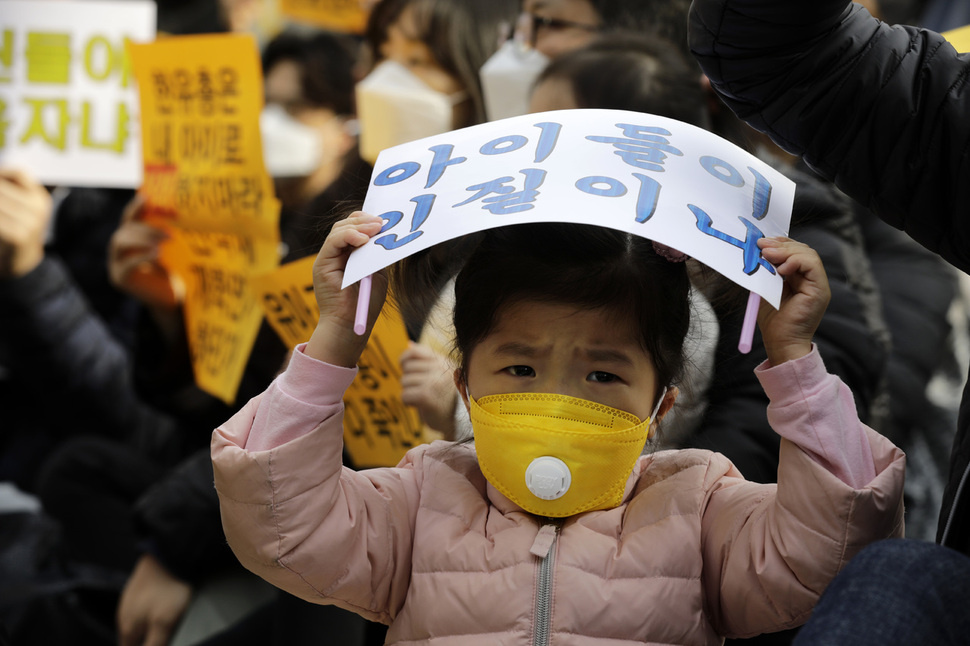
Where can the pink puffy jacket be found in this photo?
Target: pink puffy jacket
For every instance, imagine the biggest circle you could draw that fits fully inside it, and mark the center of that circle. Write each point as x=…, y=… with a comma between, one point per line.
x=694, y=553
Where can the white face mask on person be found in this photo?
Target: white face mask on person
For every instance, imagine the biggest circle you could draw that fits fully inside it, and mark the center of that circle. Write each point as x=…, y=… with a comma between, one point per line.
x=507, y=78
x=394, y=107
x=290, y=148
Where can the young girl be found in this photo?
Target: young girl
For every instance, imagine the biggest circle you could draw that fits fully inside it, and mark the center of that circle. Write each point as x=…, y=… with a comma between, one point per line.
x=553, y=528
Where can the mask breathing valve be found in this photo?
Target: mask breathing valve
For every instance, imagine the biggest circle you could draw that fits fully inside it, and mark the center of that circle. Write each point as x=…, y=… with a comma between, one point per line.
x=548, y=478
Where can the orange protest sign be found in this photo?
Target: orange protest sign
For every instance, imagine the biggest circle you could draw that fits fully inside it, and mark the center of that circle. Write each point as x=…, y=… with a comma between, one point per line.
x=378, y=428
x=204, y=182
x=338, y=15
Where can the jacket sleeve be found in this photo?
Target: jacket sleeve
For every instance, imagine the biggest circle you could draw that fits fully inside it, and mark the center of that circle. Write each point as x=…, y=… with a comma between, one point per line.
x=851, y=337
x=880, y=110
x=178, y=521
x=295, y=516
x=61, y=348
x=770, y=551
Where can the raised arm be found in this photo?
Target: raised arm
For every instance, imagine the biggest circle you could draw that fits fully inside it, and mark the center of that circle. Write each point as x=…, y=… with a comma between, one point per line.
x=291, y=512
x=880, y=110
x=768, y=554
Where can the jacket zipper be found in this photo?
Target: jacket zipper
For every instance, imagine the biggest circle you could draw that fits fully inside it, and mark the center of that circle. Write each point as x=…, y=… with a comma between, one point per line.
x=543, y=609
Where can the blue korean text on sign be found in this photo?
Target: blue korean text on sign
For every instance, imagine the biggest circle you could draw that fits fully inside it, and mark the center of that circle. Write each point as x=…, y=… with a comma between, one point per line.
x=422, y=207
x=726, y=173
x=644, y=147
x=505, y=200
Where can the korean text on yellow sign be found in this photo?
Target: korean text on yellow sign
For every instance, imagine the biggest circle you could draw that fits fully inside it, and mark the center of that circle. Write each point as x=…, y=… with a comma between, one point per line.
x=338, y=15
x=68, y=108
x=378, y=428
x=205, y=182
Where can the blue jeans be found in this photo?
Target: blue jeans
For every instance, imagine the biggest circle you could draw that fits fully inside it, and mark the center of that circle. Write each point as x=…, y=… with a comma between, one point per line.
x=895, y=592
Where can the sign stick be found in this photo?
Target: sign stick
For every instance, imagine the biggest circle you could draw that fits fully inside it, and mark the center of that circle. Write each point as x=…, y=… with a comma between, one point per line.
x=750, y=320
x=363, y=305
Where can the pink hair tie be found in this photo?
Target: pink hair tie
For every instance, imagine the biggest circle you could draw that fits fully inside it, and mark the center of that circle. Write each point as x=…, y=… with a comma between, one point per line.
x=669, y=253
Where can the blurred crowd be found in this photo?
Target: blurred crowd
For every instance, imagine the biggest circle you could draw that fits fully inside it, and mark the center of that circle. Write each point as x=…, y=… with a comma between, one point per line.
x=109, y=524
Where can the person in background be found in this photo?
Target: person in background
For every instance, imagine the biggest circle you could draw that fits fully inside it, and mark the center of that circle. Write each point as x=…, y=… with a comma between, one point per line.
x=423, y=58
x=881, y=111
x=163, y=525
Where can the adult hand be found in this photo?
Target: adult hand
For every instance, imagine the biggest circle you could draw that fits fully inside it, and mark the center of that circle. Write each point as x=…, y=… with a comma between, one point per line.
x=133, y=265
x=788, y=331
x=152, y=603
x=334, y=339
x=428, y=384
x=25, y=213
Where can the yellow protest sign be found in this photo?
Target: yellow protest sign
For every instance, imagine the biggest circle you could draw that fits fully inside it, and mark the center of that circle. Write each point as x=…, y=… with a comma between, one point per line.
x=205, y=182
x=338, y=15
x=286, y=296
x=378, y=428
x=959, y=38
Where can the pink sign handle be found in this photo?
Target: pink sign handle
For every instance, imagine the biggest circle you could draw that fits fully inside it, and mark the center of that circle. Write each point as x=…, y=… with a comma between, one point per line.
x=750, y=321
x=363, y=306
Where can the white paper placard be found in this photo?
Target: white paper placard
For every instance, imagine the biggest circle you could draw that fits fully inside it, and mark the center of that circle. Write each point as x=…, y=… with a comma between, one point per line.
x=68, y=106
x=648, y=175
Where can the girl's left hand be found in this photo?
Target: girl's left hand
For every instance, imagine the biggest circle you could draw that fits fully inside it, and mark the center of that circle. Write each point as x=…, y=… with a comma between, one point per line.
x=788, y=331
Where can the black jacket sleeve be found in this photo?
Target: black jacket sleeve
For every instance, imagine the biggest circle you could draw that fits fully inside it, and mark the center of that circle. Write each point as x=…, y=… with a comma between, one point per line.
x=179, y=519
x=57, y=346
x=880, y=110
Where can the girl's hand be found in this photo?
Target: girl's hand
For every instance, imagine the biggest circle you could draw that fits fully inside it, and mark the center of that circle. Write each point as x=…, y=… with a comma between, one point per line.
x=788, y=331
x=334, y=340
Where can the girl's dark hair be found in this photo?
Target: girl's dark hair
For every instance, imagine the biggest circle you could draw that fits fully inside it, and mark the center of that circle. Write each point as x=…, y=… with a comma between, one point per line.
x=626, y=71
x=326, y=63
x=582, y=265
x=461, y=34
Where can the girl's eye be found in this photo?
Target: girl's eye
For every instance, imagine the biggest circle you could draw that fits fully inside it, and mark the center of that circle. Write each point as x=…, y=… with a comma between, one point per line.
x=521, y=371
x=602, y=377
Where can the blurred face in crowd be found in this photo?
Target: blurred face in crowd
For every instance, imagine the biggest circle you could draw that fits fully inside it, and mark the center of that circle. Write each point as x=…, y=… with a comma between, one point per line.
x=409, y=93
x=403, y=45
x=284, y=88
x=555, y=27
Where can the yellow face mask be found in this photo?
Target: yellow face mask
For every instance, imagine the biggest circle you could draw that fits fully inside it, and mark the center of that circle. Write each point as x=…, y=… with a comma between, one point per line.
x=555, y=455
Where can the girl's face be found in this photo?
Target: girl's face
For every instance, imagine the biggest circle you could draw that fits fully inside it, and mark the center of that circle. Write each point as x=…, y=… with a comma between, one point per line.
x=555, y=27
x=556, y=348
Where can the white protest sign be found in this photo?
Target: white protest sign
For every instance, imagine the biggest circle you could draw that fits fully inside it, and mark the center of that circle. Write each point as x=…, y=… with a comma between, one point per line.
x=651, y=176
x=68, y=107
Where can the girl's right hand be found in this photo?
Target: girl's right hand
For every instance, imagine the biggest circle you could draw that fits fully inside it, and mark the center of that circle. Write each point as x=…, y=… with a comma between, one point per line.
x=334, y=340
